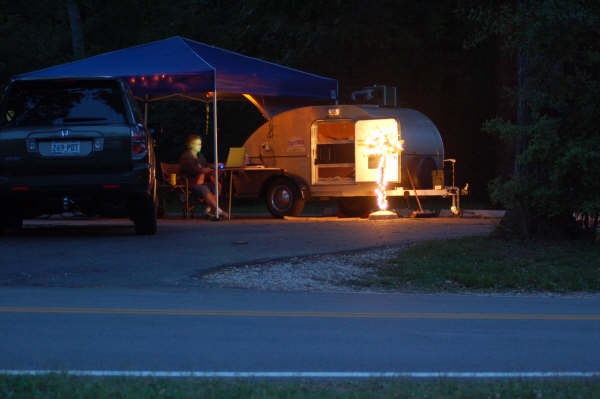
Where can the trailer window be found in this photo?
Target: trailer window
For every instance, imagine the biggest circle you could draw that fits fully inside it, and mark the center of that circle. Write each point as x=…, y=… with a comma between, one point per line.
x=335, y=133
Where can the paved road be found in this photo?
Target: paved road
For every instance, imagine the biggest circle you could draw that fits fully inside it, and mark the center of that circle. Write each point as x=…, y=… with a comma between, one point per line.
x=244, y=331
x=93, y=296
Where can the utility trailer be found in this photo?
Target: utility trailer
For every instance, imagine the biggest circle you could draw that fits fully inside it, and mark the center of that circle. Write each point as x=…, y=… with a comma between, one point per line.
x=335, y=152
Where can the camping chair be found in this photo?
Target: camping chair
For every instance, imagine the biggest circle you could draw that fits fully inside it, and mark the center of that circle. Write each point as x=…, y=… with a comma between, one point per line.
x=172, y=182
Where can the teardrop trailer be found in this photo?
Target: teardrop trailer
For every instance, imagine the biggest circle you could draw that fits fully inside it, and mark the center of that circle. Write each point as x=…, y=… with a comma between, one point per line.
x=325, y=152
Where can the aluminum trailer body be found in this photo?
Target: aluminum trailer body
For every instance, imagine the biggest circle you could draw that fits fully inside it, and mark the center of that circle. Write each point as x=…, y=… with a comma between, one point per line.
x=331, y=152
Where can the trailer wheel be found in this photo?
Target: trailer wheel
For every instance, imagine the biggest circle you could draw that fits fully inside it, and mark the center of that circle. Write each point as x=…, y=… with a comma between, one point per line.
x=456, y=211
x=284, y=198
x=356, y=206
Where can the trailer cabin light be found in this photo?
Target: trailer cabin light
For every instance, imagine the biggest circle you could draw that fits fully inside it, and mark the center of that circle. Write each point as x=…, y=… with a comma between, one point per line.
x=333, y=112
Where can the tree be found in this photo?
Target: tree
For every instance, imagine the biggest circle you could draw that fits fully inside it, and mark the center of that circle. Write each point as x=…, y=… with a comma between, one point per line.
x=76, y=29
x=555, y=180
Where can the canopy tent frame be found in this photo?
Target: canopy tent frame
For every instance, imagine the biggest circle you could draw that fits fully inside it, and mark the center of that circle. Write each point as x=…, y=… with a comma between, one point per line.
x=216, y=148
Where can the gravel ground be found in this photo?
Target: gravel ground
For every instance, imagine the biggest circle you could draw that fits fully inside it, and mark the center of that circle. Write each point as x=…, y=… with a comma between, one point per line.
x=329, y=273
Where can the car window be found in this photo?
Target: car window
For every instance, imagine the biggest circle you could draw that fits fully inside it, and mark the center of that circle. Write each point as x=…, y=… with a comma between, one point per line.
x=58, y=103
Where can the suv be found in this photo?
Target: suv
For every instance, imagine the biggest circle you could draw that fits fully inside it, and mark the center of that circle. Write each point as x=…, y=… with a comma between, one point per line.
x=75, y=145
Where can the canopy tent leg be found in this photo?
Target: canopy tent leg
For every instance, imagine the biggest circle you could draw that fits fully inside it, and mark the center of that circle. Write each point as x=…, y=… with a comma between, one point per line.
x=216, y=149
x=146, y=111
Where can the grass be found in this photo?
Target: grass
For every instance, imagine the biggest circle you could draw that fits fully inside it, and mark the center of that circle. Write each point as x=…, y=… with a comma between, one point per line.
x=62, y=386
x=489, y=264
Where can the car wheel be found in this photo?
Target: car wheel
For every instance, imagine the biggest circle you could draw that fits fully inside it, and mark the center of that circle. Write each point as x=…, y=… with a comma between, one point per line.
x=145, y=216
x=12, y=219
x=284, y=198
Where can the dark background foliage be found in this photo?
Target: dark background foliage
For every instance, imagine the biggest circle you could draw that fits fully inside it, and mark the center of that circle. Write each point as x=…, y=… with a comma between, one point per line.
x=453, y=60
x=415, y=46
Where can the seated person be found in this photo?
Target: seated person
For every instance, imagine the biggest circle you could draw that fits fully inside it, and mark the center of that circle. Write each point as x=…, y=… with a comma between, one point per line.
x=193, y=165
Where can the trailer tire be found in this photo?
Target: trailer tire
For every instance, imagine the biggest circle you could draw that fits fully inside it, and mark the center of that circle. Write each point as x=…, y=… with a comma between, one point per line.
x=283, y=198
x=356, y=206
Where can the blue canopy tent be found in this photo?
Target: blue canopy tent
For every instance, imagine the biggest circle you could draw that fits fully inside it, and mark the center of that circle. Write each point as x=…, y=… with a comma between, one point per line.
x=184, y=68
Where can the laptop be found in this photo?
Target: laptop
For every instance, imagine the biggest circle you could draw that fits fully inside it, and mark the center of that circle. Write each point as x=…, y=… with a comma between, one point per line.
x=235, y=157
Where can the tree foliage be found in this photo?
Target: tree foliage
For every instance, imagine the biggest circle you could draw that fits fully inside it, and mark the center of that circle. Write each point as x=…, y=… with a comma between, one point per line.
x=555, y=178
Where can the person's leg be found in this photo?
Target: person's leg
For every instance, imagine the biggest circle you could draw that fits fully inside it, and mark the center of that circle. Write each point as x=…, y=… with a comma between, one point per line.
x=212, y=201
x=204, y=191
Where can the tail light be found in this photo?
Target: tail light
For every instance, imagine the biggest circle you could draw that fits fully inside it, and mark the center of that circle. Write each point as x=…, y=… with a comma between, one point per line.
x=139, y=143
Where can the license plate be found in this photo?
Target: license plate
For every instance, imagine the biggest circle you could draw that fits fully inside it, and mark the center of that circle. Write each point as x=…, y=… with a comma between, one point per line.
x=65, y=147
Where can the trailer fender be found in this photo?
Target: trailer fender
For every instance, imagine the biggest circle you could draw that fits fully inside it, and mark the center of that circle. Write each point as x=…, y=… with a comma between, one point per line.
x=424, y=175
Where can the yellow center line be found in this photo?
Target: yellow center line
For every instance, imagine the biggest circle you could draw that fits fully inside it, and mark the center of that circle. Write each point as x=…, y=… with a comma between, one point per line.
x=290, y=314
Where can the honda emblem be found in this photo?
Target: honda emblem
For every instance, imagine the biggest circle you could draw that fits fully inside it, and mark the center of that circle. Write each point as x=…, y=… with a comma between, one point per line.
x=64, y=132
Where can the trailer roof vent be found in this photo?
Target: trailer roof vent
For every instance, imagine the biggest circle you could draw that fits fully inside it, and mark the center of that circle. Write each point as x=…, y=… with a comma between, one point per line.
x=384, y=96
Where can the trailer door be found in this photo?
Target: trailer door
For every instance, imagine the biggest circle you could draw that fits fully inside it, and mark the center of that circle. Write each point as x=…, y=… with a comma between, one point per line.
x=376, y=140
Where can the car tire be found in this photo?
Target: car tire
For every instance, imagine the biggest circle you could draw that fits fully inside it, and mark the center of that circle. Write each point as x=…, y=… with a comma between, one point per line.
x=11, y=220
x=145, y=216
x=284, y=198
